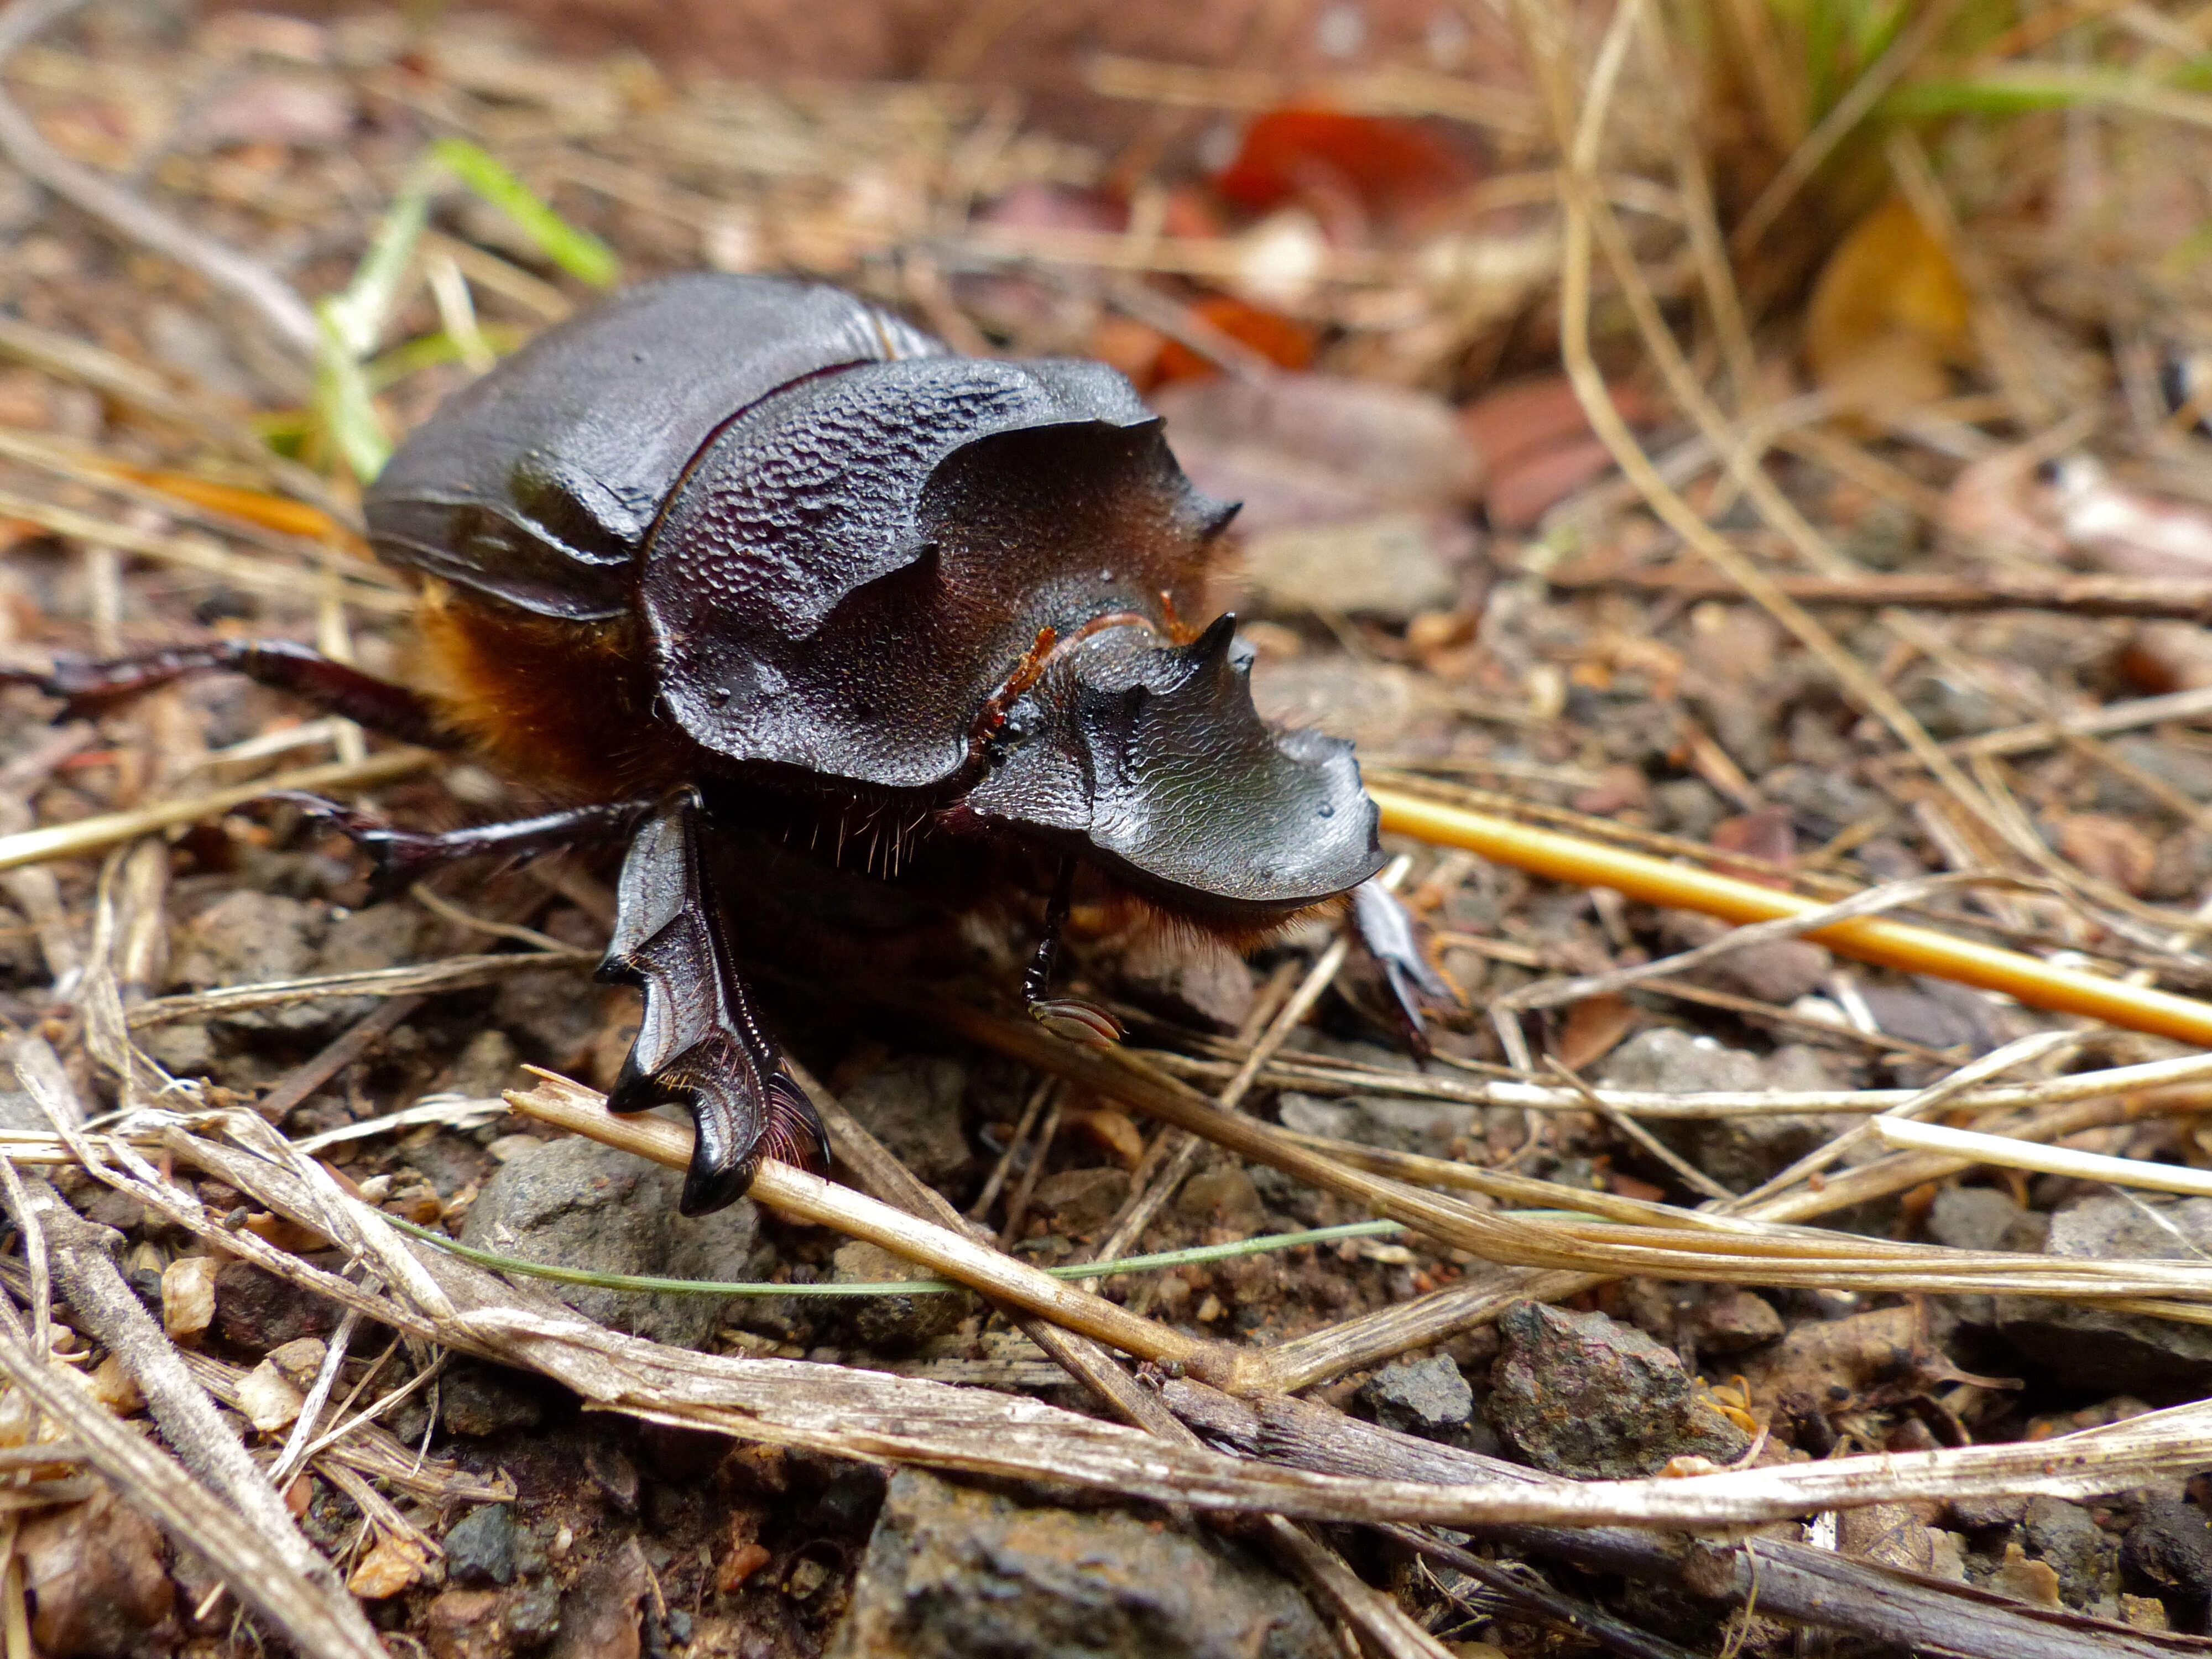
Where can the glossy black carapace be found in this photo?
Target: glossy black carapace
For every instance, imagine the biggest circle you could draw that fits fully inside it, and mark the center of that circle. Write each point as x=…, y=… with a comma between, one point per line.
x=728, y=549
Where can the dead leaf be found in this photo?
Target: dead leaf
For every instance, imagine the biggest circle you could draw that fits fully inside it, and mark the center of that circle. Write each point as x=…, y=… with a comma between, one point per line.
x=1535, y=447
x=1348, y=170
x=1310, y=449
x=188, y=1298
x=2110, y=849
x=1888, y=316
x=1767, y=835
x=1527, y=488
x=1522, y=417
x=1283, y=342
x=1594, y=1027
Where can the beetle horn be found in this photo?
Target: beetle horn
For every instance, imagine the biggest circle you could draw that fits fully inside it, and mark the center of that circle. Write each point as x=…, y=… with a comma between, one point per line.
x=1137, y=747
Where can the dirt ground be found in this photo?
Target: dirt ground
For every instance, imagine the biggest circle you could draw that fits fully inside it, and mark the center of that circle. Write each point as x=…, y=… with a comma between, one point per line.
x=1800, y=488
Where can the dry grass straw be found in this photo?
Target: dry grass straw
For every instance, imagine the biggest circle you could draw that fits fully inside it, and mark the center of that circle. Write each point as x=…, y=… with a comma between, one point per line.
x=854, y=1413
x=955, y=1255
x=98, y=833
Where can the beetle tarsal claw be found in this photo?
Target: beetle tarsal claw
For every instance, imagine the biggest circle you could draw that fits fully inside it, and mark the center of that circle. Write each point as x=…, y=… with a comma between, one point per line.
x=1079, y=1021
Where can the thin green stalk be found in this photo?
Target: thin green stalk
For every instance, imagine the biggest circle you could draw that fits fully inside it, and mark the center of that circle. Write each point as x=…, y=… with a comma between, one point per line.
x=1127, y=1264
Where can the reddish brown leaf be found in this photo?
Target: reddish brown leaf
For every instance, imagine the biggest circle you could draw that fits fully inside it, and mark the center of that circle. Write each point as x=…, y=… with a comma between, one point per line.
x=1594, y=1027
x=1389, y=167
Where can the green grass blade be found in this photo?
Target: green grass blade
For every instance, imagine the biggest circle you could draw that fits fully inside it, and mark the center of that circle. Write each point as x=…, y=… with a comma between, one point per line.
x=579, y=252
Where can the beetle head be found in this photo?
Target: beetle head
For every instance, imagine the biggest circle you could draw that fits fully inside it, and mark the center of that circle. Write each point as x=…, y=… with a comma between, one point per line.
x=1153, y=757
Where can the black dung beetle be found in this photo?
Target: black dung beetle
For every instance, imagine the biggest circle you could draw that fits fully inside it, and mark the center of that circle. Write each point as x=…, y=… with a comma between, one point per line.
x=732, y=551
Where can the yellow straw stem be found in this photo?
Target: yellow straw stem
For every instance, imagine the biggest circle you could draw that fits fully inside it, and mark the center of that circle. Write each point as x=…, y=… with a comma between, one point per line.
x=1868, y=939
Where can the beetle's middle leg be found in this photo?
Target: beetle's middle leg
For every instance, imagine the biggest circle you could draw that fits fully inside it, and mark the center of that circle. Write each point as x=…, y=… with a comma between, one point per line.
x=400, y=858
x=700, y=1045
x=1071, y=1017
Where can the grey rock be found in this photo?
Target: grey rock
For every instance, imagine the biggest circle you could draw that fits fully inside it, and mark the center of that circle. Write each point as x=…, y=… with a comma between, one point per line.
x=1732, y=1320
x=553, y=1011
x=258, y=1312
x=449, y=1162
x=1799, y=1068
x=1307, y=1114
x=2069, y=1541
x=2183, y=867
x=1827, y=797
x=1979, y=1218
x=581, y=1205
x=1688, y=806
x=248, y=937
x=1427, y=1397
x=1739, y=1153
x=957, y=1572
x=2096, y=1350
x=1934, y=1012
x=534, y=1614
x=1188, y=978
x=1950, y=709
x=2183, y=766
x=1668, y=1060
x=484, y=1067
x=478, y=1400
x=18, y=1110
x=1779, y=971
x=1225, y=1195
x=361, y=941
x=1404, y=1126
x=912, y=1105
x=1578, y=1393
x=892, y=1324
x=2168, y=1551
x=1988, y=1511
x=1390, y=566
x=182, y=1047
x=613, y=1471
x=480, y=1549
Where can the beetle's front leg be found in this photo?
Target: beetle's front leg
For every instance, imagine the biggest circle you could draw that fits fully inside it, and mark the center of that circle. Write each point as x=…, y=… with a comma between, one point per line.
x=1387, y=930
x=1071, y=1018
x=700, y=1045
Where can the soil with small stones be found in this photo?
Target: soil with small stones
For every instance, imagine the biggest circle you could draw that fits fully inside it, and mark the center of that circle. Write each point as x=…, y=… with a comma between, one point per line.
x=1457, y=661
